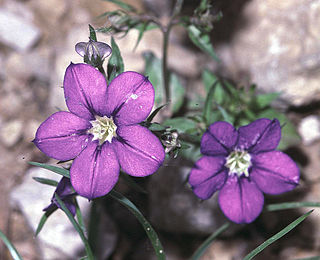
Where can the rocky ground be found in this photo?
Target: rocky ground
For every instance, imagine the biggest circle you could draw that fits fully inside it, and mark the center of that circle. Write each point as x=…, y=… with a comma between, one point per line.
x=274, y=44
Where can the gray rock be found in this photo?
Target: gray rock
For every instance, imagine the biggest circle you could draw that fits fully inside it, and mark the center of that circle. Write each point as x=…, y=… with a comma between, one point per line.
x=58, y=239
x=11, y=132
x=309, y=129
x=174, y=207
x=278, y=49
x=16, y=32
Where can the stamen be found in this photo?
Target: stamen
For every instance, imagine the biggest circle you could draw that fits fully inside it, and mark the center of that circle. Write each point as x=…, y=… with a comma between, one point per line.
x=103, y=129
x=238, y=163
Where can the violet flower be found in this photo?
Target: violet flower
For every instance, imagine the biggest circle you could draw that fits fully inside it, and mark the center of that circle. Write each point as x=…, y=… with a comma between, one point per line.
x=66, y=194
x=102, y=132
x=243, y=164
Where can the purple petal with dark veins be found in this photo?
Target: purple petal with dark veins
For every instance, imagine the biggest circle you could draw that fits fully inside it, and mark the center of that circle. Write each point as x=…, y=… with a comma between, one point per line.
x=218, y=139
x=95, y=171
x=241, y=200
x=262, y=135
x=130, y=98
x=62, y=136
x=140, y=153
x=274, y=172
x=207, y=176
x=85, y=91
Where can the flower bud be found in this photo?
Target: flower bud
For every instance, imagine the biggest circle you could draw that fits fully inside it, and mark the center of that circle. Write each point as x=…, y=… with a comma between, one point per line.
x=93, y=52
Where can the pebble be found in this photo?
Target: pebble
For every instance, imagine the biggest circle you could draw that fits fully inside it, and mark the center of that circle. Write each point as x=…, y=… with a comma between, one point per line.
x=16, y=32
x=309, y=129
x=11, y=132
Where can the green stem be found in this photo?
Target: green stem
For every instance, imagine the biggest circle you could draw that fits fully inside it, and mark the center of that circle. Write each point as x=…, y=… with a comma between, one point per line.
x=165, y=72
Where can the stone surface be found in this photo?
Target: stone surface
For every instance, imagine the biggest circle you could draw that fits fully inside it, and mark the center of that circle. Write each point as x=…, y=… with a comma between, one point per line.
x=10, y=132
x=309, y=129
x=58, y=238
x=17, y=33
x=174, y=207
x=277, y=47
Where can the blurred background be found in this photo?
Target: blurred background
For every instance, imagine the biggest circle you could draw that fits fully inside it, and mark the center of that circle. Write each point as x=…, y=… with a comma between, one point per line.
x=274, y=44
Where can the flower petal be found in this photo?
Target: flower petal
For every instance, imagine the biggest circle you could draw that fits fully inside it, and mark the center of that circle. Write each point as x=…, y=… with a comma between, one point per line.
x=85, y=91
x=274, y=172
x=62, y=136
x=207, y=176
x=139, y=152
x=241, y=200
x=218, y=139
x=95, y=171
x=130, y=98
x=262, y=135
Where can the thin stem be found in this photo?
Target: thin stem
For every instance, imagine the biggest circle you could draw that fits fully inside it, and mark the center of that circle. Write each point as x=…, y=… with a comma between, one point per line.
x=165, y=72
x=166, y=32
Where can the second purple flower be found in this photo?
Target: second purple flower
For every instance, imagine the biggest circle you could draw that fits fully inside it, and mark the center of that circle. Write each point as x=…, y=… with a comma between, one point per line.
x=102, y=132
x=243, y=164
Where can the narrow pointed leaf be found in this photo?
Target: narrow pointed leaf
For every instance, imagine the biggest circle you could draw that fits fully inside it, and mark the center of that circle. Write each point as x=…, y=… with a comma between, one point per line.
x=46, y=181
x=155, y=112
x=203, y=247
x=277, y=236
x=76, y=226
x=145, y=224
x=79, y=216
x=43, y=220
x=208, y=103
x=141, y=30
x=131, y=183
x=202, y=40
x=52, y=168
x=292, y=205
x=115, y=63
x=93, y=35
x=13, y=251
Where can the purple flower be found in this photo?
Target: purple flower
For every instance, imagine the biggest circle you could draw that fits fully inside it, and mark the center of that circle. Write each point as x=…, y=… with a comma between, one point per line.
x=102, y=132
x=66, y=194
x=243, y=164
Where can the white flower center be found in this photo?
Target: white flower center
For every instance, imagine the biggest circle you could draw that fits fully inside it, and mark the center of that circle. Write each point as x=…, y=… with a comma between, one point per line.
x=238, y=163
x=103, y=129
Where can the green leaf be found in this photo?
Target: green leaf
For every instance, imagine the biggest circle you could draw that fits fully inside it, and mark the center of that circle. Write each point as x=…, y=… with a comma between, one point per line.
x=76, y=226
x=79, y=216
x=277, y=236
x=156, y=127
x=46, y=181
x=123, y=5
x=145, y=224
x=264, y=100
x=115, y=63
x=203, y=247
x=208, y=103
x=153, y=70
x=93, y=35
x=177, y=92
x=142, y=28
x=43, y=220
x=208, y=79
x=201, y=40
x=131, y=183
x=181, y=124
x=226, y=116
x=289, y=134
x=52, y=168
x=292, y=205
x=154, y=113
x=13, y=251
